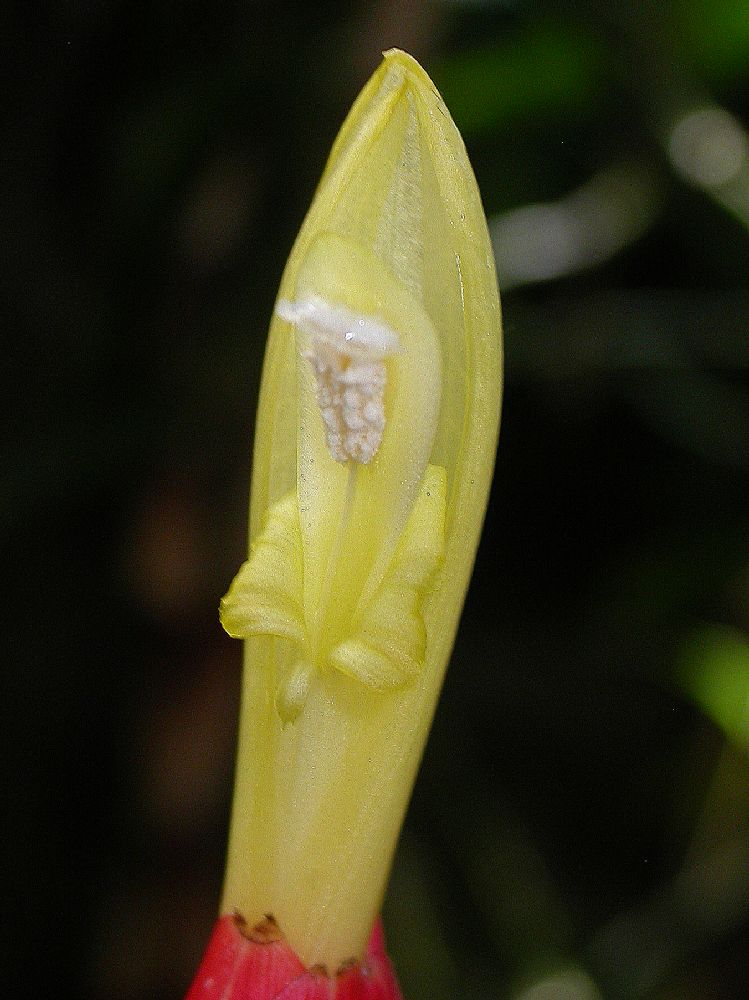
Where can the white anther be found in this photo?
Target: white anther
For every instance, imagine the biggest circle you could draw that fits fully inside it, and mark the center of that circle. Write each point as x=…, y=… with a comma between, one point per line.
x=347, y=353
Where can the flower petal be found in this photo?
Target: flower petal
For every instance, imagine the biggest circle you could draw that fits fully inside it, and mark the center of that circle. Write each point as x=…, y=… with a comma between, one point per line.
x=388, y=641
x=266, y=595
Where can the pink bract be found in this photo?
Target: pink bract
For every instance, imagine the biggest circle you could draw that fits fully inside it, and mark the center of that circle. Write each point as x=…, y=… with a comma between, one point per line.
x=258, y=964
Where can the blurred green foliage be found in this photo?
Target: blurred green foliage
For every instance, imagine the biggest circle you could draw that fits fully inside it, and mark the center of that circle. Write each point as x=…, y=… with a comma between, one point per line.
x=549, y=68
x=580, y=828
x=715, y=672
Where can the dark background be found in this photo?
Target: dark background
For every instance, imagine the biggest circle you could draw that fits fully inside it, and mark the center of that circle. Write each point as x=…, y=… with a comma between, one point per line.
x=580, y=827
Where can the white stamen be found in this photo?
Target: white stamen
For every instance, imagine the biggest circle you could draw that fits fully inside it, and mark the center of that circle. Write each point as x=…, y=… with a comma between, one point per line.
x=347, y=353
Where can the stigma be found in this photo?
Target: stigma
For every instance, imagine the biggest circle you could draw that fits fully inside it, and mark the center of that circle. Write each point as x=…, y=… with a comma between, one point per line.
x=347, y=353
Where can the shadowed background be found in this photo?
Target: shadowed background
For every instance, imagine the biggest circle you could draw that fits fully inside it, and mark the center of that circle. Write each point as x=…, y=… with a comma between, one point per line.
x=580, y=827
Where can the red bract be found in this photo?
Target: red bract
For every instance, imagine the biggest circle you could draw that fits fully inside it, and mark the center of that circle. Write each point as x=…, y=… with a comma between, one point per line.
x=258, y=964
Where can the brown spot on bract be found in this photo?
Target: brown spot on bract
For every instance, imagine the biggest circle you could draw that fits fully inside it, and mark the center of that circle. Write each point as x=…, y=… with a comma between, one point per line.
x=349, y=963
x=266, y=932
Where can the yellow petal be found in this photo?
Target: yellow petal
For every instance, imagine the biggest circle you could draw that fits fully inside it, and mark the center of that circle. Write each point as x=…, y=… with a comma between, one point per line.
x=396, y=238
x=388, y=641
x=385, y=639
x=266, y=595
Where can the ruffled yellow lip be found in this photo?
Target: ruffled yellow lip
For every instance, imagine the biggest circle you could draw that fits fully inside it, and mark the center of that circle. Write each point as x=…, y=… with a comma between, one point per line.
x=385, y=643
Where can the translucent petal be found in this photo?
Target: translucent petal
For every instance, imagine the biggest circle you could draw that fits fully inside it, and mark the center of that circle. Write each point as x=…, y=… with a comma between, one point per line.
x=266, y=595
x=388, y=639
x=385, y=639
x=365, y=575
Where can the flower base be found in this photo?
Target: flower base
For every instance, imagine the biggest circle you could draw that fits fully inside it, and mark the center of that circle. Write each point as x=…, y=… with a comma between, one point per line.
x=243, y=963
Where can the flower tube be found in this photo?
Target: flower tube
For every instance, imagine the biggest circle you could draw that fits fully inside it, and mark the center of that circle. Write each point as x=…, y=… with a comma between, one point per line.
x=374, y=448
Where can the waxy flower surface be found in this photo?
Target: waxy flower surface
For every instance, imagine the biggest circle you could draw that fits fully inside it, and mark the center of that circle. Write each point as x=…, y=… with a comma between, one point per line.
x=374, y=449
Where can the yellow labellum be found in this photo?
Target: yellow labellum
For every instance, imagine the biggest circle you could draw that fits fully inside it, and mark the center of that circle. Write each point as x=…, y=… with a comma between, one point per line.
x=376, y=433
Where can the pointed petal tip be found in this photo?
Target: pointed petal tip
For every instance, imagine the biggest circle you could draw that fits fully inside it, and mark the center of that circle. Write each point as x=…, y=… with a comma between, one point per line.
x=402, y=57
x=410, y=67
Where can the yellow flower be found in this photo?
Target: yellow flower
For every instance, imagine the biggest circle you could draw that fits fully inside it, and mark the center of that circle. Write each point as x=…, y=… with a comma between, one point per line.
x=374, y=449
